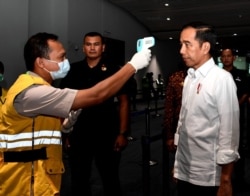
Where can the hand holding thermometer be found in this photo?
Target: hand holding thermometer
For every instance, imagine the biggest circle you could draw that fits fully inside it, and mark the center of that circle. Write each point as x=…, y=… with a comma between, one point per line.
x=143, y=56
x=145, y=42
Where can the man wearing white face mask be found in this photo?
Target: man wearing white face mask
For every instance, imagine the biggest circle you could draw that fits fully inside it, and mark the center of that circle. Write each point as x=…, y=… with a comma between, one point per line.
x=30, y=124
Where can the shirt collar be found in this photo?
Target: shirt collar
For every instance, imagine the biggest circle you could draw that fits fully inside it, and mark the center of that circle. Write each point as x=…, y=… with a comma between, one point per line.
x=202, y=70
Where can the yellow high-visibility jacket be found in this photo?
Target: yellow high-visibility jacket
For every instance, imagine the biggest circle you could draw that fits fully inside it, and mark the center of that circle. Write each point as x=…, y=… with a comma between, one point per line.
x=18, y=134
x=3, y=96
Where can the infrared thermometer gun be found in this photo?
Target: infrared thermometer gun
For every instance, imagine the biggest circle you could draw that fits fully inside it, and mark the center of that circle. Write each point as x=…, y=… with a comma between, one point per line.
x=145, y=43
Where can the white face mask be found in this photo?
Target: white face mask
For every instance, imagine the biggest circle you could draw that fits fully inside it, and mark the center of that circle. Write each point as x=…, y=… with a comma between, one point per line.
x=64, y=68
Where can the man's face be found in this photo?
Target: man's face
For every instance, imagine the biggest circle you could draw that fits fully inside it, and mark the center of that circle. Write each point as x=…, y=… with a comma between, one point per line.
x=192, y=52
x=93, y=47
x=227, y=58
x=57, y=54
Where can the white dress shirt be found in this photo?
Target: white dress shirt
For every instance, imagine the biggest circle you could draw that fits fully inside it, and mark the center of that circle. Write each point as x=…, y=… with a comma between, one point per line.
x=208, y=126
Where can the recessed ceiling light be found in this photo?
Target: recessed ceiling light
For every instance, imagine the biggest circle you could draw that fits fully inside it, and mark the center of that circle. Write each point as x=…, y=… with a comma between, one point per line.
x=166, y=4
x=235, y=34
x=168, y=18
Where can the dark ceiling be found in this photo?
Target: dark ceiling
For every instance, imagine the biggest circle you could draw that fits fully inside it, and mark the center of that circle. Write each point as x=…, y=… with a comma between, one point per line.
x=227, y=16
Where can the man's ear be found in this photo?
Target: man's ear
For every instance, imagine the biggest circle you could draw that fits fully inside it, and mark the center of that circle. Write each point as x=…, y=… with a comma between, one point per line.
x=103, y=47
x=83, y=50
x=235, y=57
x=39, y=62
x=206, y=47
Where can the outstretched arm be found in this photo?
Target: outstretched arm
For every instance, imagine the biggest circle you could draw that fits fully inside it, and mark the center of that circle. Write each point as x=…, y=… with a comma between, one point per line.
x=108, y=87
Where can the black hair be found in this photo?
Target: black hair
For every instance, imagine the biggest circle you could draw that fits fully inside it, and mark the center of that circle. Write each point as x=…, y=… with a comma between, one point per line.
x=94, y=34
x=204, y=33
x=37, y=46
x=228, y=48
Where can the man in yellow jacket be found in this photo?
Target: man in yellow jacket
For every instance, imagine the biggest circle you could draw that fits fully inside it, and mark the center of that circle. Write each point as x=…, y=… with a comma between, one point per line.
x=30, y=120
